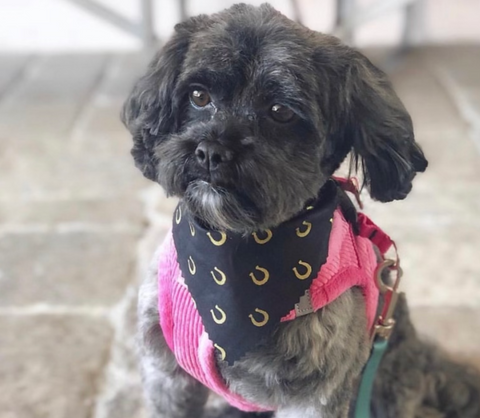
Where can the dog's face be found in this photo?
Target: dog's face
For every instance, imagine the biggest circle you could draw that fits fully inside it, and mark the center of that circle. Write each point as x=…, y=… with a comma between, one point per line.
x=245, y=115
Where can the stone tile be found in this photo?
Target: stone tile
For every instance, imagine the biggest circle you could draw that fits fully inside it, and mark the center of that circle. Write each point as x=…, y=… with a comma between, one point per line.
x=105, y=212
x=66, y=268
x=11, y=68
x=124, y=71
x=102, y=133
x=60, y=78
x=439, y=196
x=437, y=232
x=121, y=393
x=417, y=84
x=60, y=146
x=33, y=123
x=473, y=97
x=100, y=130
x=440, y=263
x=457, y=330
x=460, y=61
x=453, y=159
x=424, y=97
x=50, y=167
x=48, y=100
x=51, y=366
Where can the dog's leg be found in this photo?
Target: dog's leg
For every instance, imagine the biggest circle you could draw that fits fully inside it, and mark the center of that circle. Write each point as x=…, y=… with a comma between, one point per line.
x=300, y=412
x=338, y=411
x=338, y=406
x=296, y=413
x=169, y=391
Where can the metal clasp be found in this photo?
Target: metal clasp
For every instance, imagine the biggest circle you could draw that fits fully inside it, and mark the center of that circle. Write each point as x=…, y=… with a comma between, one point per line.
x=385, y=323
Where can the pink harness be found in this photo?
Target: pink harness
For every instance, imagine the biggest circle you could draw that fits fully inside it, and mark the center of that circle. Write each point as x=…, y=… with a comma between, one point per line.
x=351, y=262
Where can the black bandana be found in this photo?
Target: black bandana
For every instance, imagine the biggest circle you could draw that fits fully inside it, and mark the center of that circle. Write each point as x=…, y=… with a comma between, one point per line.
x=243, y=286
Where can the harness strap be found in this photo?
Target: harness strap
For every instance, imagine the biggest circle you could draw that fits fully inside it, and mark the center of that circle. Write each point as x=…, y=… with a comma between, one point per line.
x=385, y=323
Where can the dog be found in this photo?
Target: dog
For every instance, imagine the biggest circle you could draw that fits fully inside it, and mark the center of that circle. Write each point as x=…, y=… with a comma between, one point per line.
x=245, y=116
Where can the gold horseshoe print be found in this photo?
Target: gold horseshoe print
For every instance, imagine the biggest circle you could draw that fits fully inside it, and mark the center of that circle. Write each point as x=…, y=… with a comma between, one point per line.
x=192, y=229
x=178, y=215
x=266, y=276
x=303, y=234
x=219, y=242
x=222, y=318
x=191, y=266
x=223, y=354
x=262, y=322
x=307, y=273
x=223, y=277
x=263, y=240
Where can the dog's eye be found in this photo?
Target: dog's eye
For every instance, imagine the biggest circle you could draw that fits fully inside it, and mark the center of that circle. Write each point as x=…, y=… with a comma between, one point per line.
x=200, y=97
x=281, y=113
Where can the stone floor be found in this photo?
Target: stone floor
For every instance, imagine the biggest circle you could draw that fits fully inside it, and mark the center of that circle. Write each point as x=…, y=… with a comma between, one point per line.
x=78, y=224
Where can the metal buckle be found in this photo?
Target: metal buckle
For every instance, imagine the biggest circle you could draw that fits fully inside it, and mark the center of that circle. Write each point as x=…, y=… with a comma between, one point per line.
x=385, y=323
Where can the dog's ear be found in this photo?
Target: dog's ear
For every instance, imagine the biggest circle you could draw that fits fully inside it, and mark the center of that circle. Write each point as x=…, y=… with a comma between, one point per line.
x=376, y=126
x=148, y=112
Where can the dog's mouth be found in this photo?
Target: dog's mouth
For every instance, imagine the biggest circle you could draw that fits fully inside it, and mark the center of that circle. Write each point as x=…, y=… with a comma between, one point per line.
x=221, y=206
x=208, y=180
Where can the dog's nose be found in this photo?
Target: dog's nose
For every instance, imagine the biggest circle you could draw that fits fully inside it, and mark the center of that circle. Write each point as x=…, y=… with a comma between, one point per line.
x=211, y=154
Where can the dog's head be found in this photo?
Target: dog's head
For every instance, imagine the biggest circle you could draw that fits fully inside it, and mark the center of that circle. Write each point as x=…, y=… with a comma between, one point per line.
x=245, y=114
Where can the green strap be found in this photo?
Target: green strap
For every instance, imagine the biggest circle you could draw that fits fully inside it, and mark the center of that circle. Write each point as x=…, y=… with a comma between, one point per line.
x=362, y=408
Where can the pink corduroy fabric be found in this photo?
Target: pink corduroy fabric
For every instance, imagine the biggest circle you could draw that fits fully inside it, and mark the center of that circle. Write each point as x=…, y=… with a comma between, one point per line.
x=351, y=262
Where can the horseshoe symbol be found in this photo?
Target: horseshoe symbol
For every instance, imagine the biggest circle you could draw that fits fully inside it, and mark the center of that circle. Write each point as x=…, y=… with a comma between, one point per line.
x=191, y=266
x=307, y=273
x=223, y=354
x=222, y=318
x=192, y=229
x=264, y=240
x=259, y=323
x=178, y=215
x=306, y=232
x=262, y=281
x=222, y=279
x=219, y=242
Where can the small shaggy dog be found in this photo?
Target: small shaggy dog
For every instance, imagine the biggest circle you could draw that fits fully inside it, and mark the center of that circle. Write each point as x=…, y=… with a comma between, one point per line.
x=245, y=116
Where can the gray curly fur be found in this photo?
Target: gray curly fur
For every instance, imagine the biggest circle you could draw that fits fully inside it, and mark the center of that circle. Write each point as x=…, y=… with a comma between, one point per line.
x=310, y=367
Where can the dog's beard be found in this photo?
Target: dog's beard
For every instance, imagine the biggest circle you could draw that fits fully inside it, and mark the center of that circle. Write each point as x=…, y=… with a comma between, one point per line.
x=225, y=209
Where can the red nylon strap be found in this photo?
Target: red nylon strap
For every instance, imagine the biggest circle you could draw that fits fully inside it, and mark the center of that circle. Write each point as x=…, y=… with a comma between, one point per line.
x=374, y=233
x=350, y=185
x=366, y=226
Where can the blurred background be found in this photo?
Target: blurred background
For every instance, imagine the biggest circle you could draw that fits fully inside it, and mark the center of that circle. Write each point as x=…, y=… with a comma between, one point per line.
x=78, y=223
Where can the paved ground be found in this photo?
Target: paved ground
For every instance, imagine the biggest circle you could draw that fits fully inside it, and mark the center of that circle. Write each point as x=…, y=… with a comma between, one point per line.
x=78, y=224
